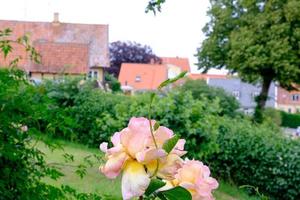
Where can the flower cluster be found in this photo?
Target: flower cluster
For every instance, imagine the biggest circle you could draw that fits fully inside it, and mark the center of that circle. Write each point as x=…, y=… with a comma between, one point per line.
x=138, y=152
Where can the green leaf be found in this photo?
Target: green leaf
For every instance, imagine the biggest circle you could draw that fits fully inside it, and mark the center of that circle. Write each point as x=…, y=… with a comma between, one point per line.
x=154, y=185
x=156, y=126
x=173, y=80
x=5, y=47
x=163, y=84
x=170, y=144
x=179, y=76
x=176, y=193
x=152, y=96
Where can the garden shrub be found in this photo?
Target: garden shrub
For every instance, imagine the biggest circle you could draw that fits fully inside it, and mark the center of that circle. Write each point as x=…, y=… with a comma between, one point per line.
x=233, y=147
x=192, y=119
x=22, y=165
x=272, y=115
x=258, y=156
x=200, y=90
x=290, y=120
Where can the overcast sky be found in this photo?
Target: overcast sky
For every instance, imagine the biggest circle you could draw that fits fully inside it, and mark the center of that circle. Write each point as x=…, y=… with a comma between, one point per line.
x=176, y=31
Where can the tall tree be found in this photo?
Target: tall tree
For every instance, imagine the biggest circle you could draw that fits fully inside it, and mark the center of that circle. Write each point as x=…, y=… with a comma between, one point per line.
x=258, y=39
x=129, y=52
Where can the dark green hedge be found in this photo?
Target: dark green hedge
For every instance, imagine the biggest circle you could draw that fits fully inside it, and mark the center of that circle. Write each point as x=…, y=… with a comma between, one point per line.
x=258, y=156
x=290, y=120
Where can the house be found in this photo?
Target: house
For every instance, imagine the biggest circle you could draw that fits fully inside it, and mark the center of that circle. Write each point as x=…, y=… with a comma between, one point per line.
x=206, y=77
x=288, y=101
x=245, y=93
x=65, y=48
x=142, y=77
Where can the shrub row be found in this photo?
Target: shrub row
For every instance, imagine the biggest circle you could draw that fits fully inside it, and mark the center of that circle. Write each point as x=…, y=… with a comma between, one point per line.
x=290, y=120
x=257, y=155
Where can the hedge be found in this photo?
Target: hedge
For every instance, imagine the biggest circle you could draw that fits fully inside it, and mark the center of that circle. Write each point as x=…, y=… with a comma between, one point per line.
x=290, y=120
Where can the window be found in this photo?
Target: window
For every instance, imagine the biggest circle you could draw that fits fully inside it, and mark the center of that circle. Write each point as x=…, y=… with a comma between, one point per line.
x=96, y=74
x=138, y=78
x=93, y=74
x=236, y=94
x=295, y=97
x=254, y=95
x=289, y=110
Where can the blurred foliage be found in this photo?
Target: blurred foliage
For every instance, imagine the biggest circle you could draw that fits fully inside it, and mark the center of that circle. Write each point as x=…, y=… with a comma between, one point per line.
x=22, y=165
x=259, y=156
x=273, y=115
x=256, y=39
x=112, y=82
x=234, y=147
x=290, y=120
x=129, y=52
x=154, y=6
x=200, y=90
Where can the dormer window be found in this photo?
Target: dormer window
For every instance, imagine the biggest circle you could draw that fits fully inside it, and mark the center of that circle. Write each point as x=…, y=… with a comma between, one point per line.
x=236, y=94
x=295, y=97
x=138, y=78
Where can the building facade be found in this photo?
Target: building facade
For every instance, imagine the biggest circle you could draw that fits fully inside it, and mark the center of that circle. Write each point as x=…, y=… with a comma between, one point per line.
x=65, y=48
x=141, y=77
x=288, y=101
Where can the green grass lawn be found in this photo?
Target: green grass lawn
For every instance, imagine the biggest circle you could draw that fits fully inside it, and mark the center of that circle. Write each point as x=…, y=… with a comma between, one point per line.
x=95, y=182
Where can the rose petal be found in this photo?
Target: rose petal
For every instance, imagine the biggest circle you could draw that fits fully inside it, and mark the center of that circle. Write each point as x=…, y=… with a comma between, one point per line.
x=103, y=147
x=114, y=164
x=135, y=180
x=150, y=154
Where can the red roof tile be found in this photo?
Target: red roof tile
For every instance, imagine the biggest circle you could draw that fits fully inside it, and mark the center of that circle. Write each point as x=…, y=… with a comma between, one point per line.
x=142, y=76
x=183, y=63
x=69, y=37
x=62, y=58
x=206, y=76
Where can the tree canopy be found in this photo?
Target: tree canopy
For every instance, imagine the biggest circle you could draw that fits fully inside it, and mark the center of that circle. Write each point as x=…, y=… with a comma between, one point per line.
x=258, y=39
x=129, y=52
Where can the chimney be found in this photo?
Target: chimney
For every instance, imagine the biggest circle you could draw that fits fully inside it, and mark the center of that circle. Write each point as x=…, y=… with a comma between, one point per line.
x=56, y=18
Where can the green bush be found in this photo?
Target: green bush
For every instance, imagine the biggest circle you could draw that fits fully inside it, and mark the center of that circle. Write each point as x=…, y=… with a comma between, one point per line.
x=234, y=147
x=113, y=82
x=21, y=165
x=259, y=156
x=200, y=90
x=272, y=115
x=290, y=120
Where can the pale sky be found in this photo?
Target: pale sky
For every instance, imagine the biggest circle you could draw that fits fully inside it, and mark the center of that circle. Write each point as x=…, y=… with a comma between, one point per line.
x=176, y=31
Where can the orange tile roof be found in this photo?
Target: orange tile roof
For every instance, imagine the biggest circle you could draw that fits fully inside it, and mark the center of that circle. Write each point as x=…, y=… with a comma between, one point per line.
x=68, y=58
x=183, y=63
x=206, y=76
x=69, y=37
x=151, y=75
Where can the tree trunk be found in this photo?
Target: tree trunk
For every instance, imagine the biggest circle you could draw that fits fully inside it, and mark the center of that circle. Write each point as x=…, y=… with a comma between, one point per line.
x=262, y=99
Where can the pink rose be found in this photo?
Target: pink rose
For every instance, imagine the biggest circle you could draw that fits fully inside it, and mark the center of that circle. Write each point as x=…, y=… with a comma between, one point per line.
x=195, y=177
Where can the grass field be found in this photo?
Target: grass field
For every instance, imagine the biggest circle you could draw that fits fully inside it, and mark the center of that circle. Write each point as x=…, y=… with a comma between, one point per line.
x=93, y=181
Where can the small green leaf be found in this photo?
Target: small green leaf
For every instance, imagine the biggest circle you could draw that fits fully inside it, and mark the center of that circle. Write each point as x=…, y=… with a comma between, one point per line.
x=181, y=75
x=156, y=126
x=176, y=193
x=154, y=185
x=163, y=84
x=152, y=97
x=170, y=81
x=170, y=144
